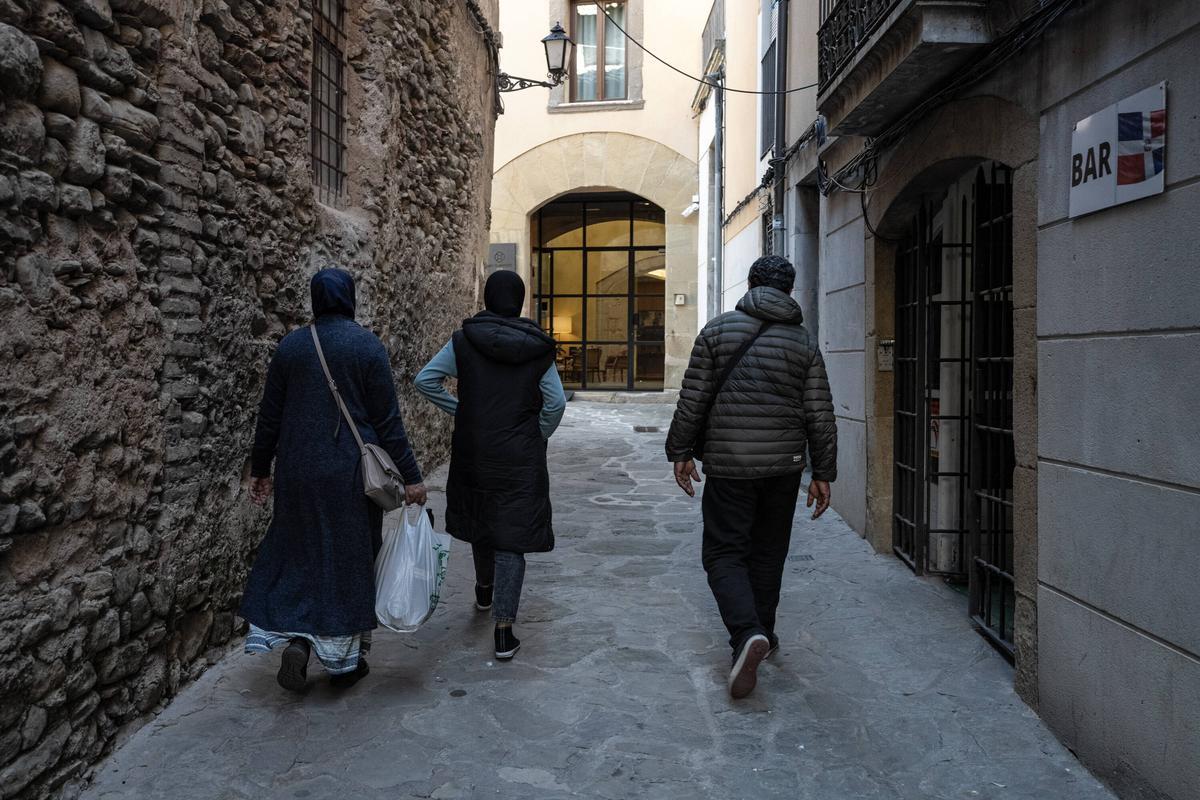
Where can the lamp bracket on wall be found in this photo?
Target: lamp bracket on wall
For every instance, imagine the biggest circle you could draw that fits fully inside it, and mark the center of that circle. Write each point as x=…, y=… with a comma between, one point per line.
x=558, y=58
x=512, y=83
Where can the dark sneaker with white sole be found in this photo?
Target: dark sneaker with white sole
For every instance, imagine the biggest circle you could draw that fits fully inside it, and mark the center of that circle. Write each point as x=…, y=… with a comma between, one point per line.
x=293, y=666
x=483, y=597
x=744, y=675
x=774, y=640
x=507, y=644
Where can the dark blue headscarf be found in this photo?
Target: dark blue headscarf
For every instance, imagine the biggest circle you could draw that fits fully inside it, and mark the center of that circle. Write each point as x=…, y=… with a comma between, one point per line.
x=332, y=293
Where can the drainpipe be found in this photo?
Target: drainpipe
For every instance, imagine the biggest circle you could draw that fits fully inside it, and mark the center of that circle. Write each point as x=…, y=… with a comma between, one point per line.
x=779, y=232
x=716, y=299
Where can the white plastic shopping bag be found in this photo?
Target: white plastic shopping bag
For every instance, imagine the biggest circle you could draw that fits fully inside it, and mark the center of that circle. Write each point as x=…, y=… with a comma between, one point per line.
x=409, y=571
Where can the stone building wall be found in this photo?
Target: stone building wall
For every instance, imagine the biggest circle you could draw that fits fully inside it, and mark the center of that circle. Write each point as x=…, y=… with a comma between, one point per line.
x=157, y=231
x=1106, y=485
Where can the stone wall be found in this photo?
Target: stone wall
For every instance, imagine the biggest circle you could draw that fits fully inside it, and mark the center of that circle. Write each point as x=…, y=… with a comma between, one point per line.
x=157, y=231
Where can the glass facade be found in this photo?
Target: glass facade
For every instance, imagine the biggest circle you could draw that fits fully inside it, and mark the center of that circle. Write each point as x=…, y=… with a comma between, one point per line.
x=599, y=283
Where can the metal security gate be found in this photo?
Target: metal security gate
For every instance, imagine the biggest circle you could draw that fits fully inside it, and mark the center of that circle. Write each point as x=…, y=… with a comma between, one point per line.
x=992, y=590
x=932, y=380
x=908, y=467
x=953, y=445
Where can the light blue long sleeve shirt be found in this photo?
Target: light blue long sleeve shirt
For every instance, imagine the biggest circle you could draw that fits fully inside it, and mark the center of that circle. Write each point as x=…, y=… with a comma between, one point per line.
x=430, y=381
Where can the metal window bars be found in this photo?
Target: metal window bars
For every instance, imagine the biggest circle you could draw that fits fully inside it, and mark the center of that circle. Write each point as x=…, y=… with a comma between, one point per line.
x=845, y=25
x=953, y=500
x=992, y=588
x=328, y=106
x=931, y=392
x=908, y=468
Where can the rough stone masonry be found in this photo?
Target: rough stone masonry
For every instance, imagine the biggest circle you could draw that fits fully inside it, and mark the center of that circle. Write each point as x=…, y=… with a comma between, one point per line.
x=157, y=230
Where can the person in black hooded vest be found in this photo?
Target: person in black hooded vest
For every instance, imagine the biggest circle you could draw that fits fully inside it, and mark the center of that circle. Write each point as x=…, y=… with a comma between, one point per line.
x=510, y=400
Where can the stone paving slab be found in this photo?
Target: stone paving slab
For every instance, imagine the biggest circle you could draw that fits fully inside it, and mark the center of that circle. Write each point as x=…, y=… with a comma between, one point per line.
x=880, y=690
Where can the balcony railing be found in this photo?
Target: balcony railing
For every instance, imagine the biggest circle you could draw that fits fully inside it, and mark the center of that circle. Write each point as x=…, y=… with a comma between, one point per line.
x=714, y=32
x=845, y=25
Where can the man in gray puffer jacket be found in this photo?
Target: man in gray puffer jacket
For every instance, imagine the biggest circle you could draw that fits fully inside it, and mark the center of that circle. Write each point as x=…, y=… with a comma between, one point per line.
x=754, y=429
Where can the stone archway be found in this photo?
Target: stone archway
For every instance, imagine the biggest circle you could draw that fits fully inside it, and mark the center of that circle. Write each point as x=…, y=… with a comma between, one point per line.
x=610, y=161
x=969, y=132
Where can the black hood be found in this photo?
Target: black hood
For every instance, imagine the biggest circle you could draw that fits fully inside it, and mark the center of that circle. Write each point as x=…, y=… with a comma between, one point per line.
x=332, y=293
x=509, y=340
x=768, y=303
x=504, y=293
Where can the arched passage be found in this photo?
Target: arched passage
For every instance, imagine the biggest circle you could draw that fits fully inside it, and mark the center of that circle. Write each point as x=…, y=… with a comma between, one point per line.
x=952, y=266
x=590, y=163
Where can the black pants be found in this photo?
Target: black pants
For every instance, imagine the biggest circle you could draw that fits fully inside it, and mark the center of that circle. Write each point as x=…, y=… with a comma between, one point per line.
x=505, y=572
x=747, y=530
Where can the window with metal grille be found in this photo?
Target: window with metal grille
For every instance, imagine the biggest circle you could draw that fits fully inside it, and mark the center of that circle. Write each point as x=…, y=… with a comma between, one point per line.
x=768, y=100
x=768, y=232
x=328, y=108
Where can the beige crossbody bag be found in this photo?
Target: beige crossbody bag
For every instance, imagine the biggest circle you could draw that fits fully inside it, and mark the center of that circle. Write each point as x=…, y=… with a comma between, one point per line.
x=381, y=480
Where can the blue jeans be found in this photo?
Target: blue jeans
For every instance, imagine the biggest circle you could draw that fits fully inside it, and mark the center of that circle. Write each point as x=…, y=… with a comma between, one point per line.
x=505, y=571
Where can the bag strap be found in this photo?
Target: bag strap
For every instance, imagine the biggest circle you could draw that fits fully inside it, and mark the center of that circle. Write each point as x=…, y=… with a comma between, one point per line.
x=729, y=368
x=337, y=396
x=737, y=359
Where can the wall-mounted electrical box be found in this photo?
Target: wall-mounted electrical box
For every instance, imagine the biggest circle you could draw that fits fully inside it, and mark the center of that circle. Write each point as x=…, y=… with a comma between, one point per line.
x=884, y=355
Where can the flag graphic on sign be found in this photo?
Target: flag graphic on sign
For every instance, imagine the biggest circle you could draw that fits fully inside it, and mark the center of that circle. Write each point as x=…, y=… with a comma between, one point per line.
x=1142, y=138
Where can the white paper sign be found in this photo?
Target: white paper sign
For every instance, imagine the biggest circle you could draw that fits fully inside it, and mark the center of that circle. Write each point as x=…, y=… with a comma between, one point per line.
x=1119, y=154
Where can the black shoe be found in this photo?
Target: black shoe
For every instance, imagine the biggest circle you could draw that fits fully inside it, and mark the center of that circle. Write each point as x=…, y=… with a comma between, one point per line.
x=293, y=666
x=774, y=640
x=507, y=644
x=483, y=597
x=744, y=675
x=348, y=679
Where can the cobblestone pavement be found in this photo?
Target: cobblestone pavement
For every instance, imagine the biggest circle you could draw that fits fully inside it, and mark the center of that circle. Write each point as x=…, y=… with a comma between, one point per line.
x=880, y=689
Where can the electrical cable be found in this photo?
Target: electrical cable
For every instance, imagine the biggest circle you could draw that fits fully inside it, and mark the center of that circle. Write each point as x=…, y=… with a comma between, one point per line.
x=668, y=65
x=1011, y=43
x=483, y=27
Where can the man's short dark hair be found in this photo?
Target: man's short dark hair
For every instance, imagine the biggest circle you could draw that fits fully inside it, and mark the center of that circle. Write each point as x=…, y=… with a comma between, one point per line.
x=774, y=271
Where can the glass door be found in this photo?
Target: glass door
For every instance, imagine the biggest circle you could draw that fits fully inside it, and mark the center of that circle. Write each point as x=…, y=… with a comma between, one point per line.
x=600, y=284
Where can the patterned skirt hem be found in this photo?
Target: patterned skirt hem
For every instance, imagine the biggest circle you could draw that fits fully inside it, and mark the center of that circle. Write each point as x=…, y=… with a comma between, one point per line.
x=338, y=654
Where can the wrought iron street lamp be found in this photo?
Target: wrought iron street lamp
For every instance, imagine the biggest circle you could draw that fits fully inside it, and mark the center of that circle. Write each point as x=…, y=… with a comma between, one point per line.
x=558, y=58
x=558, y=52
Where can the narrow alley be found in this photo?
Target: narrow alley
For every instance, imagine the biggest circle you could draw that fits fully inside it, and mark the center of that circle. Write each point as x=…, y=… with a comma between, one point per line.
x=880, y=688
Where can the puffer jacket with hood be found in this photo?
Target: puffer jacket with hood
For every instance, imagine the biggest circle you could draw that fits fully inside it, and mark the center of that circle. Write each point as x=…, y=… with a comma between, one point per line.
x=776, y=405
x=498, y=491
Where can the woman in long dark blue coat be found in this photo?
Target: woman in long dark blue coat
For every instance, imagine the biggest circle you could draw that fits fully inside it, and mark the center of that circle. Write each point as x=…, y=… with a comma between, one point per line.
x=313, y=583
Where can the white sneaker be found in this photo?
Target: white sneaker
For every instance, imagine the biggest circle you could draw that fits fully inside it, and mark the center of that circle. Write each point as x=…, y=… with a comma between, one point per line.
x=744, y=675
